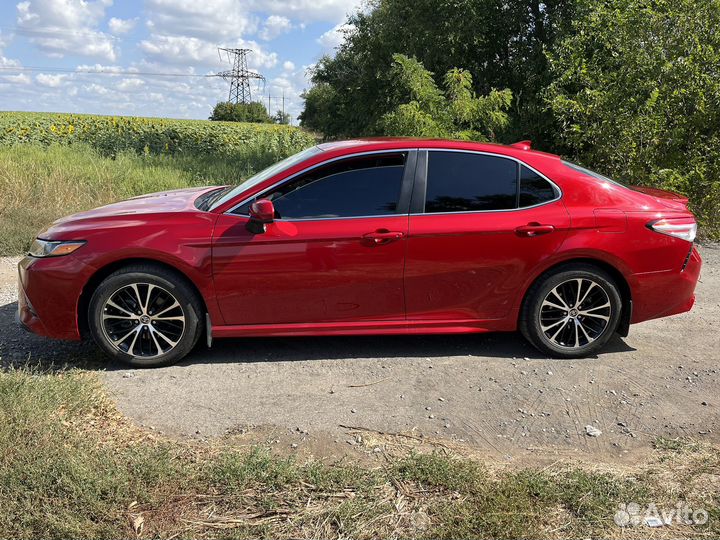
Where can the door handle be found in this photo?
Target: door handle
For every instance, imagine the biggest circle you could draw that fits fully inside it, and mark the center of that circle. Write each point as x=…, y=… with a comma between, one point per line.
x=533, y=229
x=382, y=236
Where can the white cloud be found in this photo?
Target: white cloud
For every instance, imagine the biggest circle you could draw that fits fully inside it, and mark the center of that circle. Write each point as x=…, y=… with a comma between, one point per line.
x=307, y=10
x=130, y=85
x=156, y=96
x=184, y=50
x=209, y=19
x=288, y=65
x=61, y=27
x=275, y=25
x=95, y=88
x=334, y=37
x=179, y=49
x=20, y=78
x=121, y=26
x=6, y=62
x=51, y=81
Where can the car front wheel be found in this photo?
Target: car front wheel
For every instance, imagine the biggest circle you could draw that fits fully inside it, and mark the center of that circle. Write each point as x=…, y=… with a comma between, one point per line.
x=145, y=316
x=571, y=312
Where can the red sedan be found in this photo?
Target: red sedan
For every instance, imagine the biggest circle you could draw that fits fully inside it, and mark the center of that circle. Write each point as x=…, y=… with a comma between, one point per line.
x=390, y=236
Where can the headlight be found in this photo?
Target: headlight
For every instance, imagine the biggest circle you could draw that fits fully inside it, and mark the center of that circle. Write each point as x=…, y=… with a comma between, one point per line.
x=47, y=248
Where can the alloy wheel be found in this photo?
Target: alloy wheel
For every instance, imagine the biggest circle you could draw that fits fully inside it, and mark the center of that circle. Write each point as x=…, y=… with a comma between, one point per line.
x=575, y=313
x=143, y=320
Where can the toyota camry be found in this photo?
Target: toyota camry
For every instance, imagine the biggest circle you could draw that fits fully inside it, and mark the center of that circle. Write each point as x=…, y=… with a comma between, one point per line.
x=374, y=236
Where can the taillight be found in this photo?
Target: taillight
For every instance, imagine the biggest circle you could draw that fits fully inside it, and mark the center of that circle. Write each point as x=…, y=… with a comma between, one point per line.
x=684, y=228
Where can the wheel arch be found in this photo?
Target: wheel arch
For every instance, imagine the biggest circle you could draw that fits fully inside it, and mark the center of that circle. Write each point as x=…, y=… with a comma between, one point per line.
x=615, y=273
x=104, y=271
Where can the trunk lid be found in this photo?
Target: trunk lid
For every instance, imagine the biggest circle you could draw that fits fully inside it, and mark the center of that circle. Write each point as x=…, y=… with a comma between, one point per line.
x=664, y=197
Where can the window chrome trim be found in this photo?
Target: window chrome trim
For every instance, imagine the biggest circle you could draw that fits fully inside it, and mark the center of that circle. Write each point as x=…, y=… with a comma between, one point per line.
x=556, y=188
x=292, y=177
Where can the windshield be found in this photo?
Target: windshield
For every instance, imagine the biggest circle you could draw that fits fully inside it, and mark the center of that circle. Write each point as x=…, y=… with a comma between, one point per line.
x=593, y=174
x=263, y=175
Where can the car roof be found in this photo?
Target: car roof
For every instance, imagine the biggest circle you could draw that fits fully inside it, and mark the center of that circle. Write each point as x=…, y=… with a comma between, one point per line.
x=522, y=149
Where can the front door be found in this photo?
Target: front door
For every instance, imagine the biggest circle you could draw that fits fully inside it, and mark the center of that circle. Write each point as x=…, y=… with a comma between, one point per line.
x=335, y=251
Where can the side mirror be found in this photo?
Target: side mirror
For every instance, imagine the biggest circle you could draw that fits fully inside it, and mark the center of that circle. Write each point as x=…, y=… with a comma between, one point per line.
x=261, y=212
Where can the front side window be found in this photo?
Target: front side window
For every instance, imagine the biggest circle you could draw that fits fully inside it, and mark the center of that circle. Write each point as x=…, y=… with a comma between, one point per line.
x=360, y=186
x=466, y=182
x=263, y=175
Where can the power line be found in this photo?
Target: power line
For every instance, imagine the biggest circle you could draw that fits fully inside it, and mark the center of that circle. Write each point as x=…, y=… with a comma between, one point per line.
x=100, y=72
x=55, y=31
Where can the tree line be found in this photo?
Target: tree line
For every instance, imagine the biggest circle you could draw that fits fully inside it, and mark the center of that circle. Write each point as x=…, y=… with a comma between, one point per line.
x=253, y=112
x=628, y=87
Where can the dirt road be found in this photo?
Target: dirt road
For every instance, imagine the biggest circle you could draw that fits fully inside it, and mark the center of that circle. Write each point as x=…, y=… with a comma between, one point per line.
x=491, y=394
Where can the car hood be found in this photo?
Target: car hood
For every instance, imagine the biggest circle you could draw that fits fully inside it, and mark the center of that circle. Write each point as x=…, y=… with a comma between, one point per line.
x=127, y=213
x=176, y=200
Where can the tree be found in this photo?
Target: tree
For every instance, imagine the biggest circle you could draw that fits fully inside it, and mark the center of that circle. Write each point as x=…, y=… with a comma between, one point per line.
x=320, y=111
x=636, y=92
x=281, y=117
x=425, y=111
x=240, y=112
x=500, y=44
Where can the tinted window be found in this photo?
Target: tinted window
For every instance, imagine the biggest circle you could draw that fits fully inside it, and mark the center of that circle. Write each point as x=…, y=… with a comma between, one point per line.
x=534, y=189
x=588, y=172
x=263, y=175
x=364, y=186
x=461, y=182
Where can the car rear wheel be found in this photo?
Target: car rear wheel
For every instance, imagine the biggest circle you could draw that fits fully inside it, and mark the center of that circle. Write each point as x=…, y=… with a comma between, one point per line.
x=145, y=316
x=571, y=312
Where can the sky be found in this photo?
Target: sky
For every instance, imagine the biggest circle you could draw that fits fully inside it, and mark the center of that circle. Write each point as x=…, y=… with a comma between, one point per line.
x=66, y=38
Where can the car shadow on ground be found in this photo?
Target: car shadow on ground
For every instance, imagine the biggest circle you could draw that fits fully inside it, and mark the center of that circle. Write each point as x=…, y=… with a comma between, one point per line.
x=21, y=348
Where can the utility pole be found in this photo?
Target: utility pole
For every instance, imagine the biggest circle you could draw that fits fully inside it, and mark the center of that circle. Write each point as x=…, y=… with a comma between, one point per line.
x=282, y=109
x=239, y=76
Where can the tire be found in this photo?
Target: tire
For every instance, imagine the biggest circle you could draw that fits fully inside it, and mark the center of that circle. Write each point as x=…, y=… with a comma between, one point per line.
x=145, y=315
x=554, y=324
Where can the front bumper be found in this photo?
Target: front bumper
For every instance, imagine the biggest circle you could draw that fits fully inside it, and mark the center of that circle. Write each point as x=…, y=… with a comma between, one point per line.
x=49, y=291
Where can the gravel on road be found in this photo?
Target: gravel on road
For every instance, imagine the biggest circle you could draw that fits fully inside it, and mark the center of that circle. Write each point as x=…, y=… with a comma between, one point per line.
x=490, y=393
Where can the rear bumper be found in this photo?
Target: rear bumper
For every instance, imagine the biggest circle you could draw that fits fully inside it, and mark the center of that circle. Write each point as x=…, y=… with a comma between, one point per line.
x=659, y=294
x=48, y=294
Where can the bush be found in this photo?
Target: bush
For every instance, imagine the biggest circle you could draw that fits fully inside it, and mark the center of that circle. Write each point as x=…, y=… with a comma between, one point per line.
x=241, y=112
x=637, y=93
x=456, y=113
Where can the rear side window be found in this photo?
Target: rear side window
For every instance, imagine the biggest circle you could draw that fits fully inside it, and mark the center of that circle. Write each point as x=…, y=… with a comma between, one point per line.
x=363, y=186
x=534, y=189
x=465, y=182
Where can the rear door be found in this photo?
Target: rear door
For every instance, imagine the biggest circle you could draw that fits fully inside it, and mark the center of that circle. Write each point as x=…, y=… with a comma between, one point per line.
x=335, y=251
x=479, y=223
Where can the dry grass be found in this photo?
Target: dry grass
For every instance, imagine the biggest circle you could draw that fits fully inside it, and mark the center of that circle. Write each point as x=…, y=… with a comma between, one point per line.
x=72, y=466
x=41, y=184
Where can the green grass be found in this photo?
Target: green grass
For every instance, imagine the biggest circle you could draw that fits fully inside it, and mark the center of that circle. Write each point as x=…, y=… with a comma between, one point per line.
x=72, y=466
x=41, y=184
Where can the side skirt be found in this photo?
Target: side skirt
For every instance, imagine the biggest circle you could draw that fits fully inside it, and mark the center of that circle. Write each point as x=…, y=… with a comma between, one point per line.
x=464, y=326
